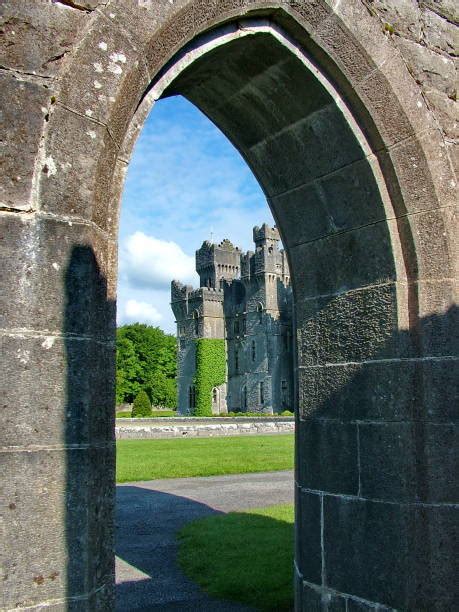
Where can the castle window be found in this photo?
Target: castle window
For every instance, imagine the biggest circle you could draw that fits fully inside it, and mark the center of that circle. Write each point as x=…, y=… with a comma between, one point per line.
x=260, y=313
x=196, y=322
x=214, y=395
x=236, y=361
x=284, y=385
x=262, y=393
x=254, y=350
x=244, y=397
x=244, y=325
x=236, y=326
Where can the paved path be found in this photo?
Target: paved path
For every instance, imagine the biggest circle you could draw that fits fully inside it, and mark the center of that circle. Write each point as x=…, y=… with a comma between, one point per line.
x=148, y=517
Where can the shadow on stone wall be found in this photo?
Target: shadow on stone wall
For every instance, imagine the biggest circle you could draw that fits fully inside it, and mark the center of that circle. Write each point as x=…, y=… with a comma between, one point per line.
x=376, y=457
x=376, y=437
x=89, y=432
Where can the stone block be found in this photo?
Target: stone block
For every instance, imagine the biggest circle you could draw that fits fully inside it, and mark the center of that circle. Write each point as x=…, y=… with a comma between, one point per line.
x=24, y=106
x=396, y=555
x=57, y=401
x=444, y=8
x=446, y=110
x=309, y=599
x=438, y=325
x=329, y=457
x=74, y=483
x=343, y=200
x=38, y=35
x=58, y=277
x=258, y=110
x=319, y=144
x=416, y=189
x=78, y=168
x=388, y=468
x=434, y=532
x=110, y=81
x=355, y=605
x=367, y=549
x=334, y=38
x=430, y=69
x=440, y=26
x=380, y=391
x=438, y=463
x=403, y=15
x=350, y=260
x=365, y=29
x=308, y=528
x=354, y=326
x=140, y=21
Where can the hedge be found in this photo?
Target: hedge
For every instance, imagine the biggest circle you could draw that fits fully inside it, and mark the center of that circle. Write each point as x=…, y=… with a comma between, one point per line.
x=210, y=372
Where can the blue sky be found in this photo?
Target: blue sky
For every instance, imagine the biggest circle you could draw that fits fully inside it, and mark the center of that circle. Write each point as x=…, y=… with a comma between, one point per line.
x=185, y=181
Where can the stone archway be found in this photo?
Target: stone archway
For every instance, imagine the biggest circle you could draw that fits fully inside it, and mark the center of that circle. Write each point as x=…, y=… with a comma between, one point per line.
x=357, y=171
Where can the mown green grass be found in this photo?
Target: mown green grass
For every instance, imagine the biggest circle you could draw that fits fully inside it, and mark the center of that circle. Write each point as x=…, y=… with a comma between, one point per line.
x=176, y=458
x=126, y=414
x=243, y=556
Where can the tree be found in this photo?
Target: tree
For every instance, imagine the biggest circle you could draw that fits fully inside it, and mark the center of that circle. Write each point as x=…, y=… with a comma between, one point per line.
x=162, y=390
x=141, y=406
x=127, y=371
x=145, y=357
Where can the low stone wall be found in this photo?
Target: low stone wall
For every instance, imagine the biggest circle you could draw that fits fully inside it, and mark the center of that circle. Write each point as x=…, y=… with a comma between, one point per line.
x=202, y=428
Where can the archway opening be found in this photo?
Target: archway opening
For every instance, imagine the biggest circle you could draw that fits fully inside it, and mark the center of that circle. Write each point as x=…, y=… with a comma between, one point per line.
x=373, y=314
x=323, y=183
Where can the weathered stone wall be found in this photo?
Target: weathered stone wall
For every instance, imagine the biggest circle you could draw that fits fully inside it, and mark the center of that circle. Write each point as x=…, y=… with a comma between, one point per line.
x=427, y=37
x=203, y=429
x=358, y=169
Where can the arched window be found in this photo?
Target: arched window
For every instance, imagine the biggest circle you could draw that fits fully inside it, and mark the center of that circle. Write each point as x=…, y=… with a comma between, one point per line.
x=254, y=350
x=236, y=361
x=196, y=322
x=236, y=326
x=215, y=395
x=260, y=313
x=262, y=393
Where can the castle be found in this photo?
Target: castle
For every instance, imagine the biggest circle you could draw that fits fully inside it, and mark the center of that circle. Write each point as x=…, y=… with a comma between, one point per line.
x=244, y=299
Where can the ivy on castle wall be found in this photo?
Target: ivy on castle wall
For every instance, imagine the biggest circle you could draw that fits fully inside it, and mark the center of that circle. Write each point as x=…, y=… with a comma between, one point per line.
x=210, y=372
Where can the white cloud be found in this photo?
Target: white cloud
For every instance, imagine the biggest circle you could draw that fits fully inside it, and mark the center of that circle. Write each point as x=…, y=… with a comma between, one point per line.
x=141, y=312
x=148, y=262
x=185, y=181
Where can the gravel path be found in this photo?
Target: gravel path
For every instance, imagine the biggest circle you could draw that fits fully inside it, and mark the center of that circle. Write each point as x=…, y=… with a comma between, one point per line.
x=149, y=514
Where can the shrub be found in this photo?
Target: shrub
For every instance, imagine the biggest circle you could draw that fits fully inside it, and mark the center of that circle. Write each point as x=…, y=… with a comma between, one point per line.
x=286, y=413
x=141, y=406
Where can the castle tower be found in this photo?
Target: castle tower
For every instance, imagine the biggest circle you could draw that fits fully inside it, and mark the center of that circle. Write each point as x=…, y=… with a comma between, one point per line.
x=217, y=262
x=244, y=299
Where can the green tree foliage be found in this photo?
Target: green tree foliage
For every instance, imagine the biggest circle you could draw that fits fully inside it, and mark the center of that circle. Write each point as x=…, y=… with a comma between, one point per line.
x=210, y=372
x=141, y=406
x=127, y=371
x=146, y=359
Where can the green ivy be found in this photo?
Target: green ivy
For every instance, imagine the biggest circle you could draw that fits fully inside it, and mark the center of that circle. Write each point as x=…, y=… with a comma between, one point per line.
x=210, y=372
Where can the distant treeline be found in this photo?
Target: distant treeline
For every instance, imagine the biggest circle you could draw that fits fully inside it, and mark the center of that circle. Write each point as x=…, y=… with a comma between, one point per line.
x=146, y=358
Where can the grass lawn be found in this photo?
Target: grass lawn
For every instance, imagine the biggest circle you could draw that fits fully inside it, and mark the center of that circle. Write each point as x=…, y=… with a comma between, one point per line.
x=243, y=556
x=126, y=414
x=151, y=459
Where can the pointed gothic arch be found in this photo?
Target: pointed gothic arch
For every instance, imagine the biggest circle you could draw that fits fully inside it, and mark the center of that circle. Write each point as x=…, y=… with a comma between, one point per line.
x=374, y=310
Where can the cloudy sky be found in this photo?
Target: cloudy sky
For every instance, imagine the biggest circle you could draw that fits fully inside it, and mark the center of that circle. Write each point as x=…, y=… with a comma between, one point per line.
x=186, y=183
